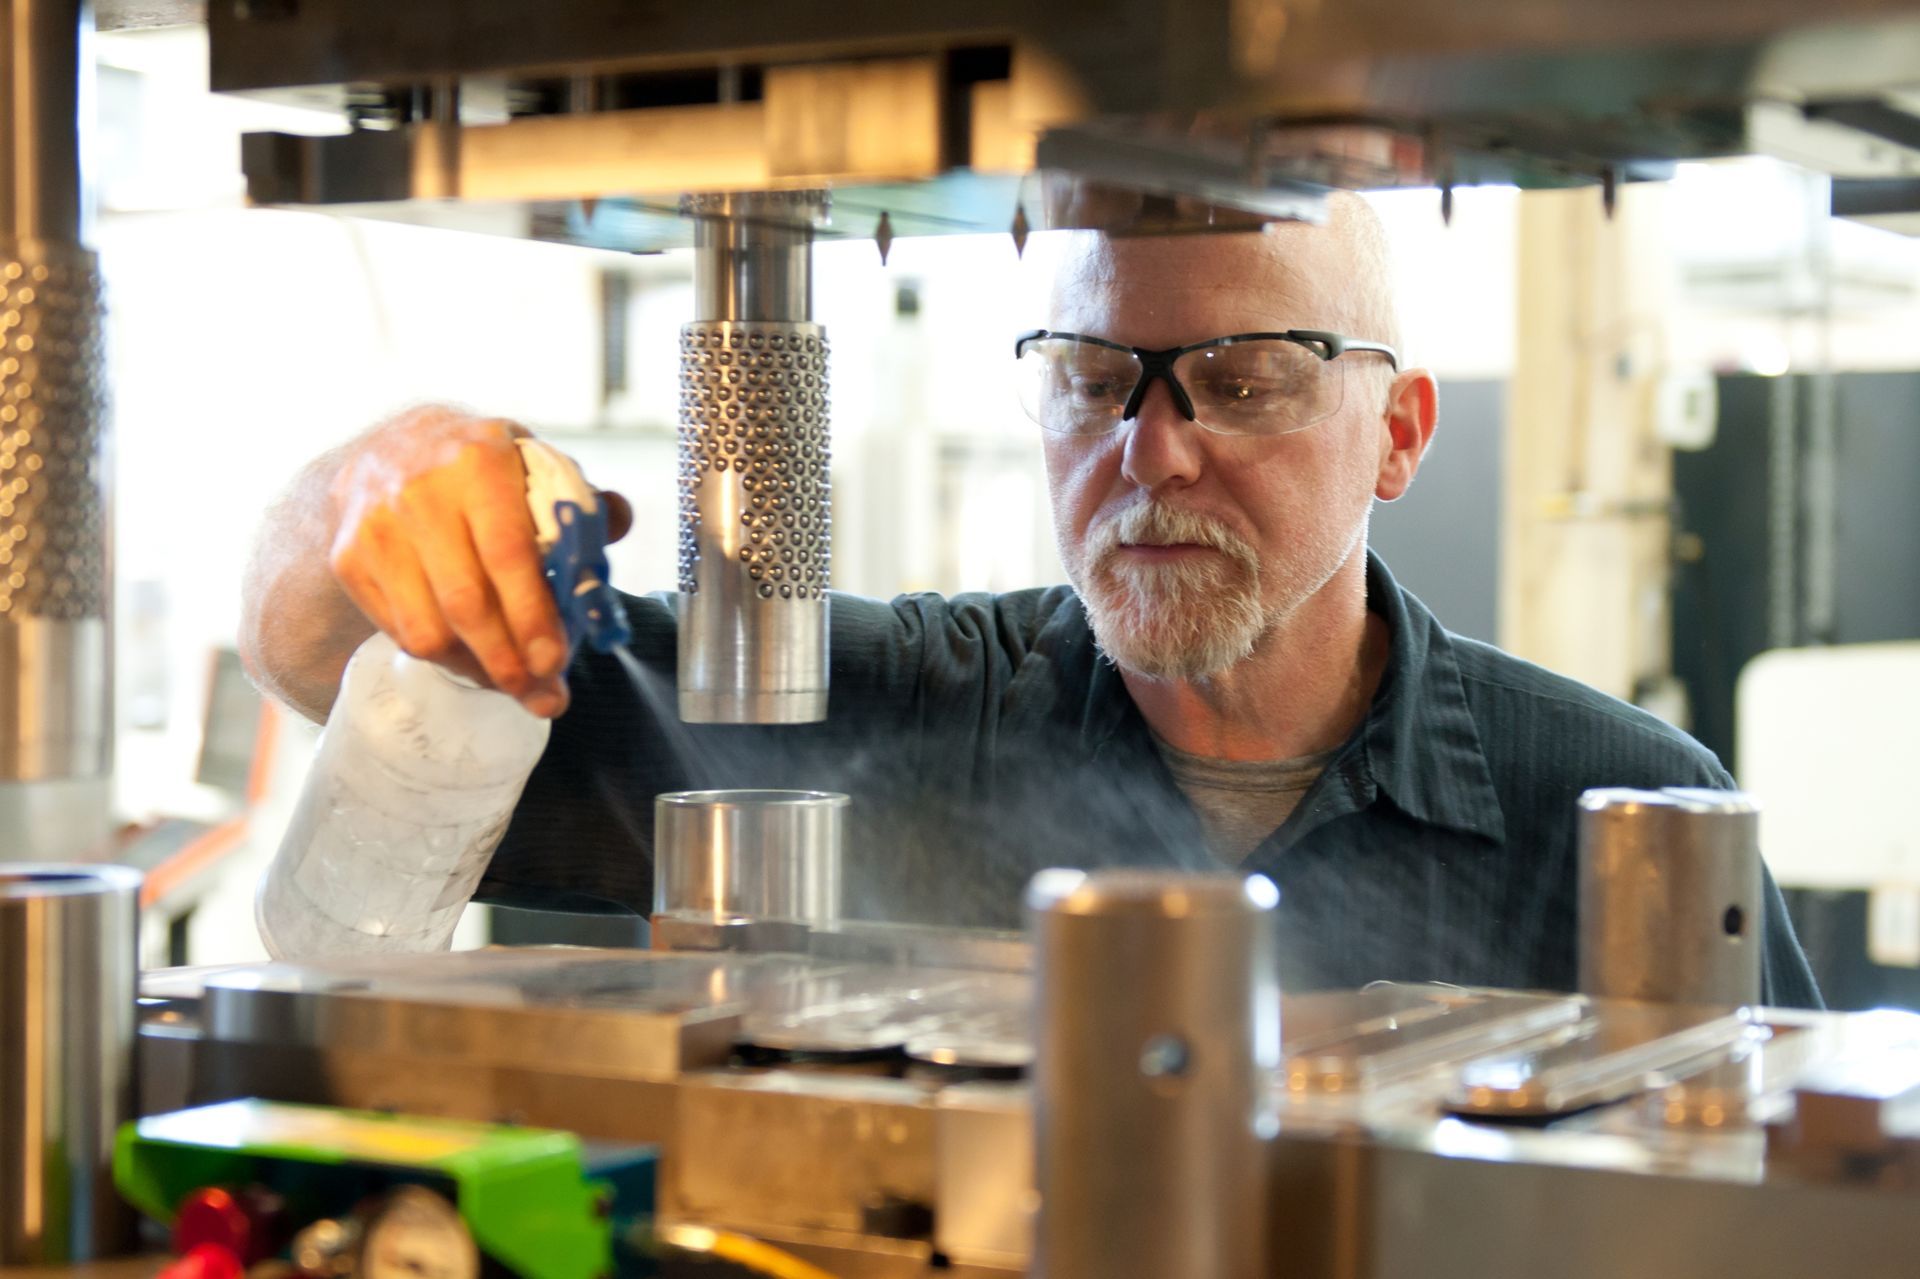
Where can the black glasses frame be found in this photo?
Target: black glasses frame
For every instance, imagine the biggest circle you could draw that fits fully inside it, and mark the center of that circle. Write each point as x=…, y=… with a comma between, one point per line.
x=1329, y=346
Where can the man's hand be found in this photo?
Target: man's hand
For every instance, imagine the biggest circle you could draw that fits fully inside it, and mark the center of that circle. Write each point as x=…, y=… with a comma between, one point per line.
x=420, y=527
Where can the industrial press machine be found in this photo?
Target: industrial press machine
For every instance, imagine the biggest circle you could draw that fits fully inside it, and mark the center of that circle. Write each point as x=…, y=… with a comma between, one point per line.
x=1121, y=1090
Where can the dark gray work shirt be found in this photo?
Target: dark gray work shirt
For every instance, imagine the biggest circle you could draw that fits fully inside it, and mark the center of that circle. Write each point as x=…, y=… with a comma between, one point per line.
x=983, y=737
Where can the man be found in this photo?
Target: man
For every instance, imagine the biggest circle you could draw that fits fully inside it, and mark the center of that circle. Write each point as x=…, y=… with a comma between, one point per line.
x=1233, y=679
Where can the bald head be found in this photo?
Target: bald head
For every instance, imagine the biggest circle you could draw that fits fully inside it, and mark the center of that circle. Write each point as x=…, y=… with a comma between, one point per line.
x=1363, y=257
x=1293, y=275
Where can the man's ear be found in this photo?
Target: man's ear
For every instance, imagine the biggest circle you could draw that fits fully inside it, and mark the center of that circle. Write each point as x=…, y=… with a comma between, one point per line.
x=1413, y=410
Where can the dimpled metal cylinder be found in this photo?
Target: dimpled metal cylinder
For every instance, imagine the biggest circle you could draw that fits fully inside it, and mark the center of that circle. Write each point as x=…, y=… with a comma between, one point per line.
x=1670, y=896
x=53, y=528
x=1157, y=1042
x=754, y=523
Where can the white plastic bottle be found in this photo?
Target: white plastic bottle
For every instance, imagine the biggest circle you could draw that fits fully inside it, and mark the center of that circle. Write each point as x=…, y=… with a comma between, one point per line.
x=410, y=791
x=418, y=771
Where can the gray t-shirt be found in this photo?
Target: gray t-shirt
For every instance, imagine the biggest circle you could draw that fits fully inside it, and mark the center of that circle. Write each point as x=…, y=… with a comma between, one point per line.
x=1241, y=802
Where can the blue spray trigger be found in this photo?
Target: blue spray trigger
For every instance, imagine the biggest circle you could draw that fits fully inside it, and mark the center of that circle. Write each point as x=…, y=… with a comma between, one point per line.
x=576, y=567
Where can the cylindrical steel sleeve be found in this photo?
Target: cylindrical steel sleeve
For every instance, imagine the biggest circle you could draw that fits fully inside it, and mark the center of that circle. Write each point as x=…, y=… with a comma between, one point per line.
x=68, y=962
x=1157, y=1037
x=1670, y=896
x=725, y=855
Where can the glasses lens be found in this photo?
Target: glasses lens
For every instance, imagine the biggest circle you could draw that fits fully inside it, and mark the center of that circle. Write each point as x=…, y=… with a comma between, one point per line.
x=1073, y=387
x=1260, y=386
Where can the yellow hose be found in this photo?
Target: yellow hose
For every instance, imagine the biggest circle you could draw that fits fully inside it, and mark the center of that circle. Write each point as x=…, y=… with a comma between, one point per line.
x=740, y=1250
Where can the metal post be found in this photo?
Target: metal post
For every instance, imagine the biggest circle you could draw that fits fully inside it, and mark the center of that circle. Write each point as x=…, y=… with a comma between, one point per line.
x=67, y=972
x=753, y=467
x=726, y=855
x=1670, y=897
x=54, y=674
x=1157, y=1039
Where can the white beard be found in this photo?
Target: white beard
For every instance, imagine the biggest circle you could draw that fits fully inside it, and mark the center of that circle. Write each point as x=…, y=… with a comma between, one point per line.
x=1191, y=619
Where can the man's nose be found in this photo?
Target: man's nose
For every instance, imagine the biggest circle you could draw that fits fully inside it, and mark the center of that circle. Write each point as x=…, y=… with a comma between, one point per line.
x=1163, y=448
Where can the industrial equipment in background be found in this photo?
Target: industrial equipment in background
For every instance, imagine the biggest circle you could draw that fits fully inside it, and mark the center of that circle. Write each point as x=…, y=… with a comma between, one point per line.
x=589, y=125
x=876, y=1098
x=752, y=134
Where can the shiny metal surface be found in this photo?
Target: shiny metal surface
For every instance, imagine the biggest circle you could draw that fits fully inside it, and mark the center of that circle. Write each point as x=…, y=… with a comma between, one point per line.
x=41, y=48
x=725, y=1168
x=1636, y=1049
x=70, y=819
x=1470, y=1202
x=55, y=707
x=1670, y=896
x=68, y=937
x=54, y=697
x=850, y=941
x=970, y=1018
x=1254, y=107
x=1799, y=1157
x=697, y=932
x=984, y=1201
x=138, y=15
x=866, y=941
x=1743, y=1090
x=1398, y=1047
x=753, y=255
x=1157, y=1036
x=755, y=516
x=1855, y=1116
x=749, y=855
x=1142, y=51
x=609, y=1014
x=55, y=711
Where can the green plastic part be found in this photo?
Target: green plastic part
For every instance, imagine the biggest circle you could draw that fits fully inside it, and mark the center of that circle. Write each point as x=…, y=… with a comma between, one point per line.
x=522, y=1191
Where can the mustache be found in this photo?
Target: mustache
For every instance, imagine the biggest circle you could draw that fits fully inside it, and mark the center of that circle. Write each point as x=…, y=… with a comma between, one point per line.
x=1154, y=523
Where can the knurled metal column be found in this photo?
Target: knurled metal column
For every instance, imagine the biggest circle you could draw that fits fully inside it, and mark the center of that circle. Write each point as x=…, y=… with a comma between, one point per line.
x=54, y=673
x=754, y=508
x=1670, y=896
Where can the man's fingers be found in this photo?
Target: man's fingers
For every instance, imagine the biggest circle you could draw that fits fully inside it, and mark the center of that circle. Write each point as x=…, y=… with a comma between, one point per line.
x=361, y=581
x=368, y=598
x=437, y=548
x=503, y=534
x=465, y=597
x=547, y=697
x=411, y=614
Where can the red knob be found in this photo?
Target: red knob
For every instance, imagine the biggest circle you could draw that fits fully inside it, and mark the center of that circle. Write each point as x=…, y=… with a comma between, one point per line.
x=212, y=1215
x=205, y=1261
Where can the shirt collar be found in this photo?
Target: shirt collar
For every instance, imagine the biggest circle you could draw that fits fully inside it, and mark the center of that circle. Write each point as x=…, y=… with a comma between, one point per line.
x=1421, y=743
x=1418, y=746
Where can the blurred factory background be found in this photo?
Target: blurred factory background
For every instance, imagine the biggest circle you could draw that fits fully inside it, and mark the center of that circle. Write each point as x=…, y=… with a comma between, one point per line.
x=1712, y=513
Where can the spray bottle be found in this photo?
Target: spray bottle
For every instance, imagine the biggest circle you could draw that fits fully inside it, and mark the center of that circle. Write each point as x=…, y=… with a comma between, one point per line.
x=418, y=770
